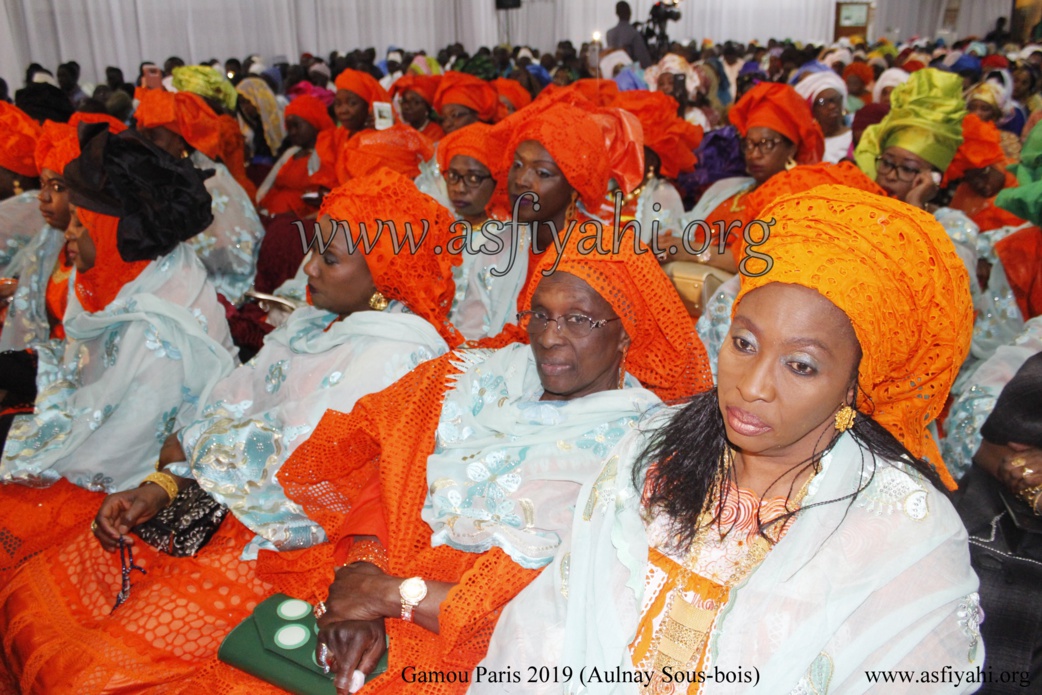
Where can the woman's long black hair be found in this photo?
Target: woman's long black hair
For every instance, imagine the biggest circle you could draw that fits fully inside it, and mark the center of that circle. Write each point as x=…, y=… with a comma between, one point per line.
x=682, y=465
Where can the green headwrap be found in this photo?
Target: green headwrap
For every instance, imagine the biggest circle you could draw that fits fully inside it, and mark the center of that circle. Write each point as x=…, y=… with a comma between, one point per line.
x=1025, y=201
x=207, y=83
x=925, y=118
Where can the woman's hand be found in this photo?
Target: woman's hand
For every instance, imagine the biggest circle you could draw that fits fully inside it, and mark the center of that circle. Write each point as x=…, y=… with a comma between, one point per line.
x=923, y=189
x=351, y=647
x=122, y=511
x=362, y=592
x=1021, y=469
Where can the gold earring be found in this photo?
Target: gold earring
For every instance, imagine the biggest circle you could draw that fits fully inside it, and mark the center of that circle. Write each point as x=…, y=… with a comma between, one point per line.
x=622, y=368
x=378, y=302
x=845, y=418
x=16, y=186
x=790, y=165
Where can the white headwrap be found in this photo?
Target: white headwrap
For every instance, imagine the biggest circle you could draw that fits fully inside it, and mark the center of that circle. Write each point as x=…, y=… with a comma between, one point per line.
x=890, y=78
x=840, y=55
x=817, y=82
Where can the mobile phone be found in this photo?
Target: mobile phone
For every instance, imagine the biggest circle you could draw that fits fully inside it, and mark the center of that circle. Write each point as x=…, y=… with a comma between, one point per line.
x=383, y=115
x=153, y=77
x=936, y=176
x=680, y=87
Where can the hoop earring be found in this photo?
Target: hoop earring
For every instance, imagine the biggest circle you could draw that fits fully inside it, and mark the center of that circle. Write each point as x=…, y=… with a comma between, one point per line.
x=790, y=165
x=573, y=206
x=378, y=302
x=845, y=418
x=16, y=186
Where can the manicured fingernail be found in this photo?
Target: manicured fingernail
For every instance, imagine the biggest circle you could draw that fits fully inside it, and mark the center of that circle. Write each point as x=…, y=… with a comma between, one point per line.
x=357, y=681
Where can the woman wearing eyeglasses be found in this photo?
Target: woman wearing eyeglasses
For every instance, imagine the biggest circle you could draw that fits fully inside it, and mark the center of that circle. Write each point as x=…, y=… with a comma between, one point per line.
x=478, y=489
x=826, y=93
x=484, y=302
x=778, y=133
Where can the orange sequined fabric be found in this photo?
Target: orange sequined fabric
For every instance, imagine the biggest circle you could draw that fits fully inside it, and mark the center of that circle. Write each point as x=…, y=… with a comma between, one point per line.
x=363, y=85
x=400, y=147
x=59, y=144
x=420, y=277
x=18, y=136
x=468, y=91
x=512, y=91
x=472, y=141
x=893, y=271
x=97, y=287
x=665, y=353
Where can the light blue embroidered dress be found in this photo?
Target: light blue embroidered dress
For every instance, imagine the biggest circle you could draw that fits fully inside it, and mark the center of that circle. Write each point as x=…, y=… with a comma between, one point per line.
x=878, y=584
x=20, y=219
x=27, y=324
x=123, y=380
x=230, y=246
x=507, y=467
x=257, y=416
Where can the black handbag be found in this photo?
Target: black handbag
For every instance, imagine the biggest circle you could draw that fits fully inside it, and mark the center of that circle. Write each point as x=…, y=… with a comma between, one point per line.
x=184, y=526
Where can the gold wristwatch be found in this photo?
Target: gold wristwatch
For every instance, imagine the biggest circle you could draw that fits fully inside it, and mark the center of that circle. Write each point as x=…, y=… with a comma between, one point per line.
x=412, y=591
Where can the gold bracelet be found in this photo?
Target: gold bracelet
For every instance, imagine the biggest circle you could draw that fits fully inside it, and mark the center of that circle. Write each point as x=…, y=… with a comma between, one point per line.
x=165, y=481
x=1030, y=496
x=367, y=551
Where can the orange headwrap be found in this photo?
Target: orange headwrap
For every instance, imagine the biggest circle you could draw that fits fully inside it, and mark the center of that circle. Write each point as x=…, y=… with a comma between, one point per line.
x=400, y=147
x=18, y=136
x=59, y=143
x=600, y=92
x=469, y=91
x=471, y=141
x=893, y=271
x=665, y=353
x=574, y=140
x=980, y=148
x=97, y=287
x=672, y=138
x=861, y=70
x=780, y=108
x=362, y=84
x=312, y=110
x=512, y=91
x=421, y=280
x=184, y=113
x=424, y=85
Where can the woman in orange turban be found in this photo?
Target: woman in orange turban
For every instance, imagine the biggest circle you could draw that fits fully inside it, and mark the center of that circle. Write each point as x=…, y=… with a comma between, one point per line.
x=299, y=169
x=463, y=99
x=791, y=525
x=184, y=125
x=778, y=133
x=979, y=169
x=39, y=303
x=19, y=180
x=416, y=102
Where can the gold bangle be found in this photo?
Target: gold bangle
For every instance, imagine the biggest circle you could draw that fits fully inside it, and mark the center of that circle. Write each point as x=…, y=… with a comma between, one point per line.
x=165, y=481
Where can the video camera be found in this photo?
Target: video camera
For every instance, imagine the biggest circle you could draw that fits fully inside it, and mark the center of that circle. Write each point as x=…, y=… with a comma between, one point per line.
x=654, y=30
x=665, y=11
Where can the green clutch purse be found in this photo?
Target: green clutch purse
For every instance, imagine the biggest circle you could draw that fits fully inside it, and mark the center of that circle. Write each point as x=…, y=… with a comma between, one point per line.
x=277, y=644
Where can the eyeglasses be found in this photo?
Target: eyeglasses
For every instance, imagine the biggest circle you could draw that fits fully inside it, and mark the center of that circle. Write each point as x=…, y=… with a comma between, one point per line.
x=829, y=101
x=907, y=174
x=471, y=180
x=126, y=559
x=764, y=146
x=573, y=326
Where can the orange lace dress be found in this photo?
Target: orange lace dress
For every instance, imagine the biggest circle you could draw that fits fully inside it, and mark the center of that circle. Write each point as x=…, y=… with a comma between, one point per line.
x=685, y=590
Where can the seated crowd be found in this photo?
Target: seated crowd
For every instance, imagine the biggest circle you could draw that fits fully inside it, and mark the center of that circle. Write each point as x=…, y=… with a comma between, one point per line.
x=714, y=375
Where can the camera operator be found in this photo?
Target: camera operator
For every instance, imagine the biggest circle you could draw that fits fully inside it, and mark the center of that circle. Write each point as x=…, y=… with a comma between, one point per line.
x=624, y=35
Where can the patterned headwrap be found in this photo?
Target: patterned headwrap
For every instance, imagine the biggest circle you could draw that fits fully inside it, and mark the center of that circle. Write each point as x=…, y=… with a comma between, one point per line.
x=183, y=113
x=980, y=148
x=400, y=147
x=258, y=93
x=206, y=82
x=780, y=108
x=311, y=110
x=925, y=118
x=362, y=84
x=672, y=138
x=1025, y=201
x=424, y=85
x=472, y=141
x=420, y=279
x=893, y=271
x=665, y=353
x=18, y=136
x=574, y=140
x=59, y=143
x=468, y=91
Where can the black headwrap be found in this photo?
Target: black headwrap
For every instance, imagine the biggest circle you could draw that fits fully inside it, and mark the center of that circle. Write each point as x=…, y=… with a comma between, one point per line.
x=1017, y=416
x=160, y=200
